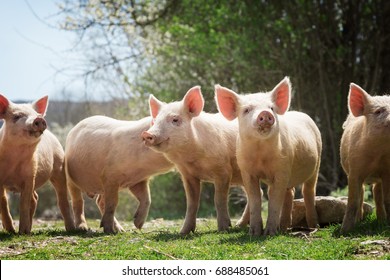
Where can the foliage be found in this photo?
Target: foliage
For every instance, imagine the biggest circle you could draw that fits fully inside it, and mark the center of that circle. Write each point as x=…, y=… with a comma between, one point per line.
x=160, y=240
x=166, y=47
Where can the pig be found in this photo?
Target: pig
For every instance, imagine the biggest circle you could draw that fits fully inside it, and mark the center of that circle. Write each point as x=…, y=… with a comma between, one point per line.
x=202, y=146
x=103, y=155
x=280, y=148
x=365, y=154
x=30, y=155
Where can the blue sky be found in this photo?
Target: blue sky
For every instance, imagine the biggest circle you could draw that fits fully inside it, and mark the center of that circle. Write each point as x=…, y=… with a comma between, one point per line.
x=31, y=52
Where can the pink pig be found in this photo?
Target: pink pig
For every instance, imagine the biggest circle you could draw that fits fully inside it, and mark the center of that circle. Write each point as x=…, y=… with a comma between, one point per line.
x=29, y=156
x=365, y=154
x=281, y=148
x=203, y=148
x=104, y=155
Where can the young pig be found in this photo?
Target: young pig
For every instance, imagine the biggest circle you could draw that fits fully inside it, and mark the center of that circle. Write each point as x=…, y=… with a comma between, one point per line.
x=29, y=156
x=103, y=155
x=281, y=148
x=365, y=154
x=202, y=146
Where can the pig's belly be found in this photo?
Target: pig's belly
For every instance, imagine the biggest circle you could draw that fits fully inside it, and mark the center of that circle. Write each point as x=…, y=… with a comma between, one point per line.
x=13, y=184
x=372, y=179
x=91, y=186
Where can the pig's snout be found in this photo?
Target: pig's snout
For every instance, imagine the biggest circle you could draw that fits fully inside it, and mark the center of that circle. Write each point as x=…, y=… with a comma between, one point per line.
x=265, y=119
x=148, y=138
x=39, y=124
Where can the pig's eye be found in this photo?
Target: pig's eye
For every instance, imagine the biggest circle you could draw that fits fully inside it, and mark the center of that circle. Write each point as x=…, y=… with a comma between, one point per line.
x=176, y=121
x=247, y=110
x=15, y=118
x=272, y=109
x=379, y=111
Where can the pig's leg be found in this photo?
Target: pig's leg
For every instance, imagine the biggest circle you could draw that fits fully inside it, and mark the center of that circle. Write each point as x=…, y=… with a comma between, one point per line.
x=59, y=183
x=286, y=217
x=192, y=189
x=276, y=195
x=100, y=202
x=110, y=203
x=386, y=196
x=354, y=205
x=33, y=207
x=221, y=198
x=309, y=197
x=379, y=202
x=244, y=220
x=26, y=197
x=254, y=194
x=142, y=193
x=78, y=207
x=5, y=213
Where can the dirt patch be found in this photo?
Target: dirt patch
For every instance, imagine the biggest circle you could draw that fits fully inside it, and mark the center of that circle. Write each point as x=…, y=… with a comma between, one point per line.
x=373, y=248
x=19, y=248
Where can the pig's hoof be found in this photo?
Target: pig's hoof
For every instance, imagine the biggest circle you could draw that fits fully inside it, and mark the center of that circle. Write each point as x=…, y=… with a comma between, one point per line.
x=270, y=231
x=70, y=227
x=139, y=220
x=109, y=230
x=10, y=229
x=187, y=230
x=118, y=228
x=24, y=231
x=256, y=230
x=224, y=226
x=241, y=223
x=138, y=224
x=82, y=227
x=346, y=228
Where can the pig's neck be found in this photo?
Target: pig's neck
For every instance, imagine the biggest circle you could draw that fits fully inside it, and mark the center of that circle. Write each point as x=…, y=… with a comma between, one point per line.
x=271, y=145
x=11, y=147
x=191, y=147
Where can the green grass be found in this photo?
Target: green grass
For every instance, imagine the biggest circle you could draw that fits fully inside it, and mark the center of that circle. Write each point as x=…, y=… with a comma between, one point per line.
x=160, y=239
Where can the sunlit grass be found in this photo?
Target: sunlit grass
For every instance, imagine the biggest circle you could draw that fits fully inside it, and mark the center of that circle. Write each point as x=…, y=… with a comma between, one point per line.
x=160, y=239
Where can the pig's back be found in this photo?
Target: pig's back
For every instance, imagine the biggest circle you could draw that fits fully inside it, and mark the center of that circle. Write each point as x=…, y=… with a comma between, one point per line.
x=302, y=130
x=302, y=142
x=208, y=125
x=101, y=149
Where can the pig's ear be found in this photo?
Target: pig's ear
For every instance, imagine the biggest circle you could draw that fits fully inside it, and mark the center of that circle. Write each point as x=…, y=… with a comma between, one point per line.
x=193, y=101
x=154, y=106
x=357, y=100
x=41, y=105
x=4, y=103
x=281, y=96
x=227, y=102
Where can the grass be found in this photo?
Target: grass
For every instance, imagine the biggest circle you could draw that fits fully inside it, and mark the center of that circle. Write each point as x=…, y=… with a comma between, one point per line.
x=160, y=239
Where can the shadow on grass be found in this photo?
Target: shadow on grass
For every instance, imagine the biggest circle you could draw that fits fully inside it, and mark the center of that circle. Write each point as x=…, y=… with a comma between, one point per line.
x=234, y=234
x=166, y=235
x=7, y=236
x=53, y=233
x=78, y=233
x=370, y=226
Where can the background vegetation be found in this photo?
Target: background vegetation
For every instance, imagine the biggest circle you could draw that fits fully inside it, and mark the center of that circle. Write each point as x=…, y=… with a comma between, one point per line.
x=134, y=48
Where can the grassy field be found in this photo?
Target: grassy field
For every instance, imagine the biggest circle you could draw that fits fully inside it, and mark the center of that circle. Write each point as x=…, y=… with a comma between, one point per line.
x=160, y=239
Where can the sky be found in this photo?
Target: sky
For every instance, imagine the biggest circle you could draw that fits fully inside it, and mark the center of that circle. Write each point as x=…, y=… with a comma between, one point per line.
x=31, y=52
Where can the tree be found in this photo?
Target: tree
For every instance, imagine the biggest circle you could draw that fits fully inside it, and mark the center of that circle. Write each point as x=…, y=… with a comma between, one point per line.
x=166, y=47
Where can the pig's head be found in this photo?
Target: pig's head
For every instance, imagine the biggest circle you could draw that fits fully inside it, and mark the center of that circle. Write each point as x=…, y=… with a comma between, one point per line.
x=171, y=127
x=376, y=109
x=23, y=122
x=257, y=113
